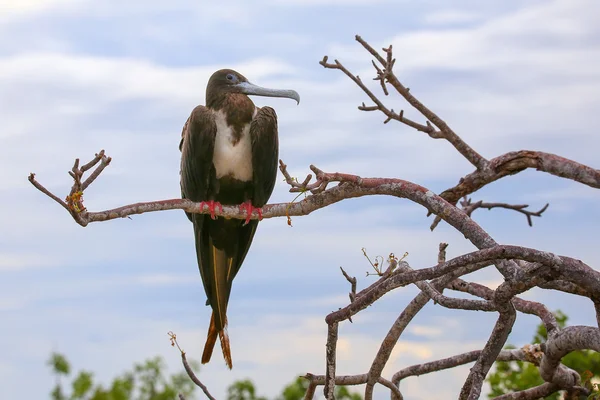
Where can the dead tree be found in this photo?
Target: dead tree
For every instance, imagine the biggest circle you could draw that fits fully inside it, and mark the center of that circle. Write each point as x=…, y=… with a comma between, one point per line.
x=522, y=268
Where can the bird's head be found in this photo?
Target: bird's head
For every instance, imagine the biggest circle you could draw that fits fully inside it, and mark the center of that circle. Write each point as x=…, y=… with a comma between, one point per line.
x=229, y=81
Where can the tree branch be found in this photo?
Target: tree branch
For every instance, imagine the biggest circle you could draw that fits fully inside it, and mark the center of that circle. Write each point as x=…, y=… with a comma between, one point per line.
x=515, y=162
x=188, y=368
x=330, y=379
x=468, y=207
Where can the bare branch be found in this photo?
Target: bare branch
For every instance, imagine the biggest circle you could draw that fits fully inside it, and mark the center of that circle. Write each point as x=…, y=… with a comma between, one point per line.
x=471, y=390
x=444, y=130
x=486, y=171
x=390, y=114
x=352, y=281
x=349, y=380
x=42, y=189
x=188, y=368
x=390, y=340
x=515, y=162
x=442, y=253
x=330, y=379
x=310, y=391
x=468, y=207
x=524, y=306
x=538, y=392
x=562, y=343
x=597, y=308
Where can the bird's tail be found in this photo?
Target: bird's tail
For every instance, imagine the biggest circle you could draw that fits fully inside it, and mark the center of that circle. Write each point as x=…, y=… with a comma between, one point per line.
x=225, y=348
x=211, y=339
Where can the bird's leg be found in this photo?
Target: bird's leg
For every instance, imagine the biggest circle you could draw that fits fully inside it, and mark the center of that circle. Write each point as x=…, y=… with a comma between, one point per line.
x=211, y=204
x=249, y=208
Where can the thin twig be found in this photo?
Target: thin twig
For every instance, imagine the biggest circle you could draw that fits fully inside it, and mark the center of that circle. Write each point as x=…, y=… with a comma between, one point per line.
x=188, y=368
x=444, y=130
x=468, y=207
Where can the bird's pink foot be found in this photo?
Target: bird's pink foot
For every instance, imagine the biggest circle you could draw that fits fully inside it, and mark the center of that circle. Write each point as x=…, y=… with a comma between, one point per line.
x=211, y=207
x=249, y=208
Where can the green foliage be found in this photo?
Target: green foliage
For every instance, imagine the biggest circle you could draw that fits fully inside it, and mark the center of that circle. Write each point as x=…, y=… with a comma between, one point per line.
x=243, y=390
x=515, y=376
x=145, y=382
x=342, y=393
x=59, y=364
x=295, y=390
x=82, y=385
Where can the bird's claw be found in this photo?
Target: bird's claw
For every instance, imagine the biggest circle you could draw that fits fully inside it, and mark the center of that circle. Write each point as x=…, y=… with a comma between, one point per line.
x=211, y=204
x=249, y=208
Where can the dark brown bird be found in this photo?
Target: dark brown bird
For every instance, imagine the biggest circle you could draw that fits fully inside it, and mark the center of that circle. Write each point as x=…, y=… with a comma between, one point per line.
x=229, y=151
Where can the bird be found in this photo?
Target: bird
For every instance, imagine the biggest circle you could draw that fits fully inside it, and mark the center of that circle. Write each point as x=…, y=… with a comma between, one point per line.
x=229, y=152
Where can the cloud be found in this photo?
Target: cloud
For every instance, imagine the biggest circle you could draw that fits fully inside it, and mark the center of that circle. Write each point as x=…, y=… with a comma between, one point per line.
x=426, y=331
x=449, y=17
x=116, y=79
x=498, y=43
x=16, y=261
x=324, y=3
x=9, y=7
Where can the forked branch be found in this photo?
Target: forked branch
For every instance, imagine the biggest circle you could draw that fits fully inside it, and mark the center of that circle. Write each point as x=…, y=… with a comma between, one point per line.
x=468, y=207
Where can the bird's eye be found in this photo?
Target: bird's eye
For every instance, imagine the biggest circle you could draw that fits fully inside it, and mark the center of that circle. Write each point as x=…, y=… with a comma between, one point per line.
x=230, y=77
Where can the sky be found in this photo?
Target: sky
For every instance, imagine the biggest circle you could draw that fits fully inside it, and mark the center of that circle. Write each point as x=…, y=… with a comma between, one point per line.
x=77, y=76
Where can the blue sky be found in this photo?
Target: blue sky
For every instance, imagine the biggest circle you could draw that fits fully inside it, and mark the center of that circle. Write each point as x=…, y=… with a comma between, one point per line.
x=79, y=76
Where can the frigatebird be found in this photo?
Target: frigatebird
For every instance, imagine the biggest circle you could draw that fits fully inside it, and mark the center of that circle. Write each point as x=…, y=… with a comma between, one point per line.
x=229, y=151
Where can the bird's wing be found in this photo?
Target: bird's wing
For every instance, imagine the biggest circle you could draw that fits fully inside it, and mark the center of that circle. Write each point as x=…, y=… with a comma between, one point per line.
x=197, y=147
x=265, y=152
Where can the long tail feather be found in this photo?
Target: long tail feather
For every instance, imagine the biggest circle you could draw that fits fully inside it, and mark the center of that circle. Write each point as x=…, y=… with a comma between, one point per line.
x=211, y=339
x=225, y=347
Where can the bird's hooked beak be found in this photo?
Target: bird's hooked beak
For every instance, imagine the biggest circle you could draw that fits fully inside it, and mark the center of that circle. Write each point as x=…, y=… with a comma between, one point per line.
x=251, y=89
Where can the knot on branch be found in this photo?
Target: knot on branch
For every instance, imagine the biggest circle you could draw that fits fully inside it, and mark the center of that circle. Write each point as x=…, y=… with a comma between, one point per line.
x=75, y=202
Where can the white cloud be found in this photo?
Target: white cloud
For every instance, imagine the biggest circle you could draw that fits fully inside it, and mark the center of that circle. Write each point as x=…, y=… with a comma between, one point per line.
x=447, y=17
x=309, y=3
x=11, y=304
x=18, y=261
x=30, y=6
x=526, y=37
x=116, y=79
x=426, y=331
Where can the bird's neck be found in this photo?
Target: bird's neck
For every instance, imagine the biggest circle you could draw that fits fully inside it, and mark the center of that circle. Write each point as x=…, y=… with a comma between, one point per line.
x=238, y=109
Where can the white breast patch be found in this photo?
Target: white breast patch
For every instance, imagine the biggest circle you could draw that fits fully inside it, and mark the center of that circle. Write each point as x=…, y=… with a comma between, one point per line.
x=230, y=159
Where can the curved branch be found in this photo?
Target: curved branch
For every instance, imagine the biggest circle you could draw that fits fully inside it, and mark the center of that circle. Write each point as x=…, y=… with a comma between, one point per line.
x=391, y=338
x=454, y=361
x=350, y=380
x=562, y=343
x=538, y=392
x=517, y=161
x=471, y=390
x=524, y=306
